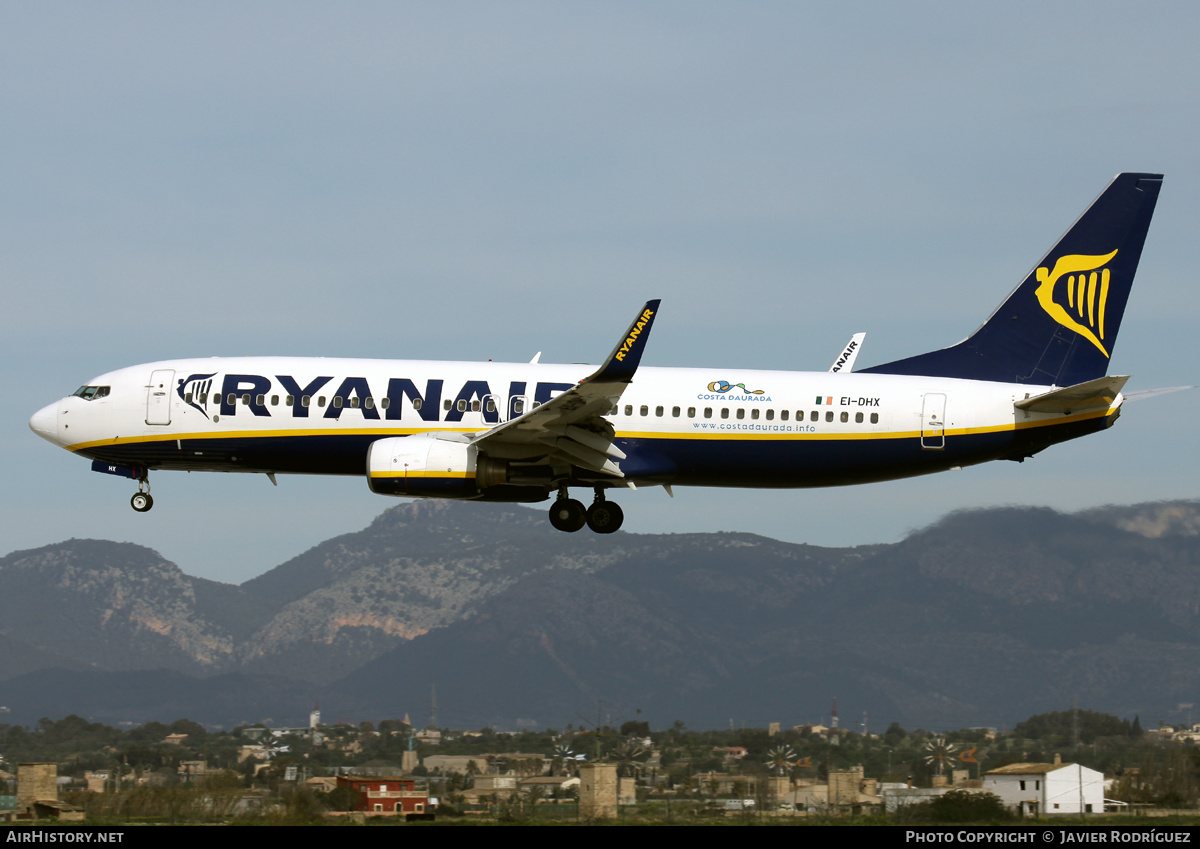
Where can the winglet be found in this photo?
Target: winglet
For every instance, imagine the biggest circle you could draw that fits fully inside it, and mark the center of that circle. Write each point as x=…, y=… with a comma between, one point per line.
x=845, y=360
x=624, y=359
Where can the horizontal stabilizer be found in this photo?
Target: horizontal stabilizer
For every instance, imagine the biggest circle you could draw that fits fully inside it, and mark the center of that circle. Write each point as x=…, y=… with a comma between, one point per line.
x=1098, y=394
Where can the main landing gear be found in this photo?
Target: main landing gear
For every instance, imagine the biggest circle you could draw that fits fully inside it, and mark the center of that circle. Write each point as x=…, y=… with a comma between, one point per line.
x=141, y=500
x=603, y=517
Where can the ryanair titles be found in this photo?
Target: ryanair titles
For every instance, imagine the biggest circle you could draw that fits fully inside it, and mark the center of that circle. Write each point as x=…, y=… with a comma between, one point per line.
x=327, y=397
x=634, y=333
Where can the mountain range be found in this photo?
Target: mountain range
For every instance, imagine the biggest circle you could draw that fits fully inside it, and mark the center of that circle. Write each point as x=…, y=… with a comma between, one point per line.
x=983, y=618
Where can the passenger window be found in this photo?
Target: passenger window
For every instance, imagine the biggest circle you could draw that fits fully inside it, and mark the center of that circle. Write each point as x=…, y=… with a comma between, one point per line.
x=724, y=412
x=874, y=418
x=858, y=418
x=462, y=405
x=770, y=415
x=369, y=403
x=274, y=400
x=290, y=400
x=814, y=416
x=741, y=414
x=187, y=398
x=829, y=416
x=675, y=412
x=337, y=402
x=446, y=405
x=354, y=402
x=474, y=406
x=260, y=400
x=845, y=417
x=306, y=401
x=783, y=415
x=245, y=399
x=629, y=409
x=203, y=397
x=754, y=413
x=386, y=402
x=320, y=400
x=417, y=403
x=491, y=405
x=691, y=412
x=519, y=406
x=658, y=411
x=232, y=399
x=644, y=410
x=708, y=412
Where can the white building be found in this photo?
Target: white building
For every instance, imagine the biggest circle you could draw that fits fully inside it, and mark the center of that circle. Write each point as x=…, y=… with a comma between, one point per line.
x=1058, y=788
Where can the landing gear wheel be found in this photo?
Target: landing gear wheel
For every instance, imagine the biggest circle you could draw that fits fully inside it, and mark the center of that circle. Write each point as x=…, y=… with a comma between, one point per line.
x=141, y=501
x=604, y=517
x=568, y=515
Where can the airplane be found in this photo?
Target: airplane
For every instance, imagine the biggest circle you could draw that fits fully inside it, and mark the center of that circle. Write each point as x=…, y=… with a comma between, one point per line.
x=1034, y=374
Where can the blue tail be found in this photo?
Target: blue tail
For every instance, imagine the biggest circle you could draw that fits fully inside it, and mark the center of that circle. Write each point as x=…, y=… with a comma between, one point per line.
x=1058, y=327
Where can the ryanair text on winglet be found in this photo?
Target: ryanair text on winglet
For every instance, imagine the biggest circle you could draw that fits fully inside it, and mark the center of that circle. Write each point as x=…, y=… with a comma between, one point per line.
x=634, y=334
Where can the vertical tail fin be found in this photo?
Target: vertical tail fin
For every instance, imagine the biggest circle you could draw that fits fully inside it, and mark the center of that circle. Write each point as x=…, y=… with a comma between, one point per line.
x=1059, y=325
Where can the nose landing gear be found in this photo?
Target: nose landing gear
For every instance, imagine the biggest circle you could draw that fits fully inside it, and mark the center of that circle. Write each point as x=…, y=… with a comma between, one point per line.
x=141, y=500
x=603, y=517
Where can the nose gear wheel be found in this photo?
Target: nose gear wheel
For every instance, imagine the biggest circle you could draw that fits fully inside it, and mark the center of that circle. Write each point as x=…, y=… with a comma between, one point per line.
x=141, y=500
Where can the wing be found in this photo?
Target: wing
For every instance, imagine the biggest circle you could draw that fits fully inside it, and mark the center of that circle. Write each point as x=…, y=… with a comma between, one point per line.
x=570, y=429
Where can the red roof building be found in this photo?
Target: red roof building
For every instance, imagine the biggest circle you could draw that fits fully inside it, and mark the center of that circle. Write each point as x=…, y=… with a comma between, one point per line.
x=388, y=795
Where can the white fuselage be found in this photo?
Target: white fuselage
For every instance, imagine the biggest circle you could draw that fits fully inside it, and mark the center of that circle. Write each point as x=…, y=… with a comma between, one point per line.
x=707, y=427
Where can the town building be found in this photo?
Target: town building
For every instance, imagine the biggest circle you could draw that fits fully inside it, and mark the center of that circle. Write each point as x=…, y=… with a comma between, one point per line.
x=388, y=795
x=1057, y=788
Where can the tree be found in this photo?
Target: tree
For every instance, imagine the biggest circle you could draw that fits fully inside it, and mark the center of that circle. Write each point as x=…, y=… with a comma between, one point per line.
x=633, y=728
x=957, y=806
x=1060, y=726
x=894, y=735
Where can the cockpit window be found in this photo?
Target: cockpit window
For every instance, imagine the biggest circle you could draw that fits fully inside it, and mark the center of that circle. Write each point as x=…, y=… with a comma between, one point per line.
x=91, y=393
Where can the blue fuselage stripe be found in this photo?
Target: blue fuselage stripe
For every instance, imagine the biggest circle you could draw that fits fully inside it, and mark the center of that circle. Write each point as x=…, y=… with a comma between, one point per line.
x=733, y=462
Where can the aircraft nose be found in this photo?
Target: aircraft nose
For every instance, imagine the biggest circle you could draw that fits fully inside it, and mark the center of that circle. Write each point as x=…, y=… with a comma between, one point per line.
x=45, y=422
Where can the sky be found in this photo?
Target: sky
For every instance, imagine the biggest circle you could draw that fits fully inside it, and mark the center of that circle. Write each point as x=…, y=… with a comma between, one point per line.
x=469, y=181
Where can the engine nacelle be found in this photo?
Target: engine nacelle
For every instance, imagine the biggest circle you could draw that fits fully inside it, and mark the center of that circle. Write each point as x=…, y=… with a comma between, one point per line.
x=432, y=465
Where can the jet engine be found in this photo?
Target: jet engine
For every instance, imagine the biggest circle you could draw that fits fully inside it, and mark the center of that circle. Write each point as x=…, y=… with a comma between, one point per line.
x=433, y=465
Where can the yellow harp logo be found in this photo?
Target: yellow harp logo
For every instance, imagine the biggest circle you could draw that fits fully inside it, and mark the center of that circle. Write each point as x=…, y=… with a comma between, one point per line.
x=1086, y=281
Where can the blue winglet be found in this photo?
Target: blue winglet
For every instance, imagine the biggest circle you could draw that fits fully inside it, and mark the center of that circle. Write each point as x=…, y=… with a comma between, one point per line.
x=624, y=359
